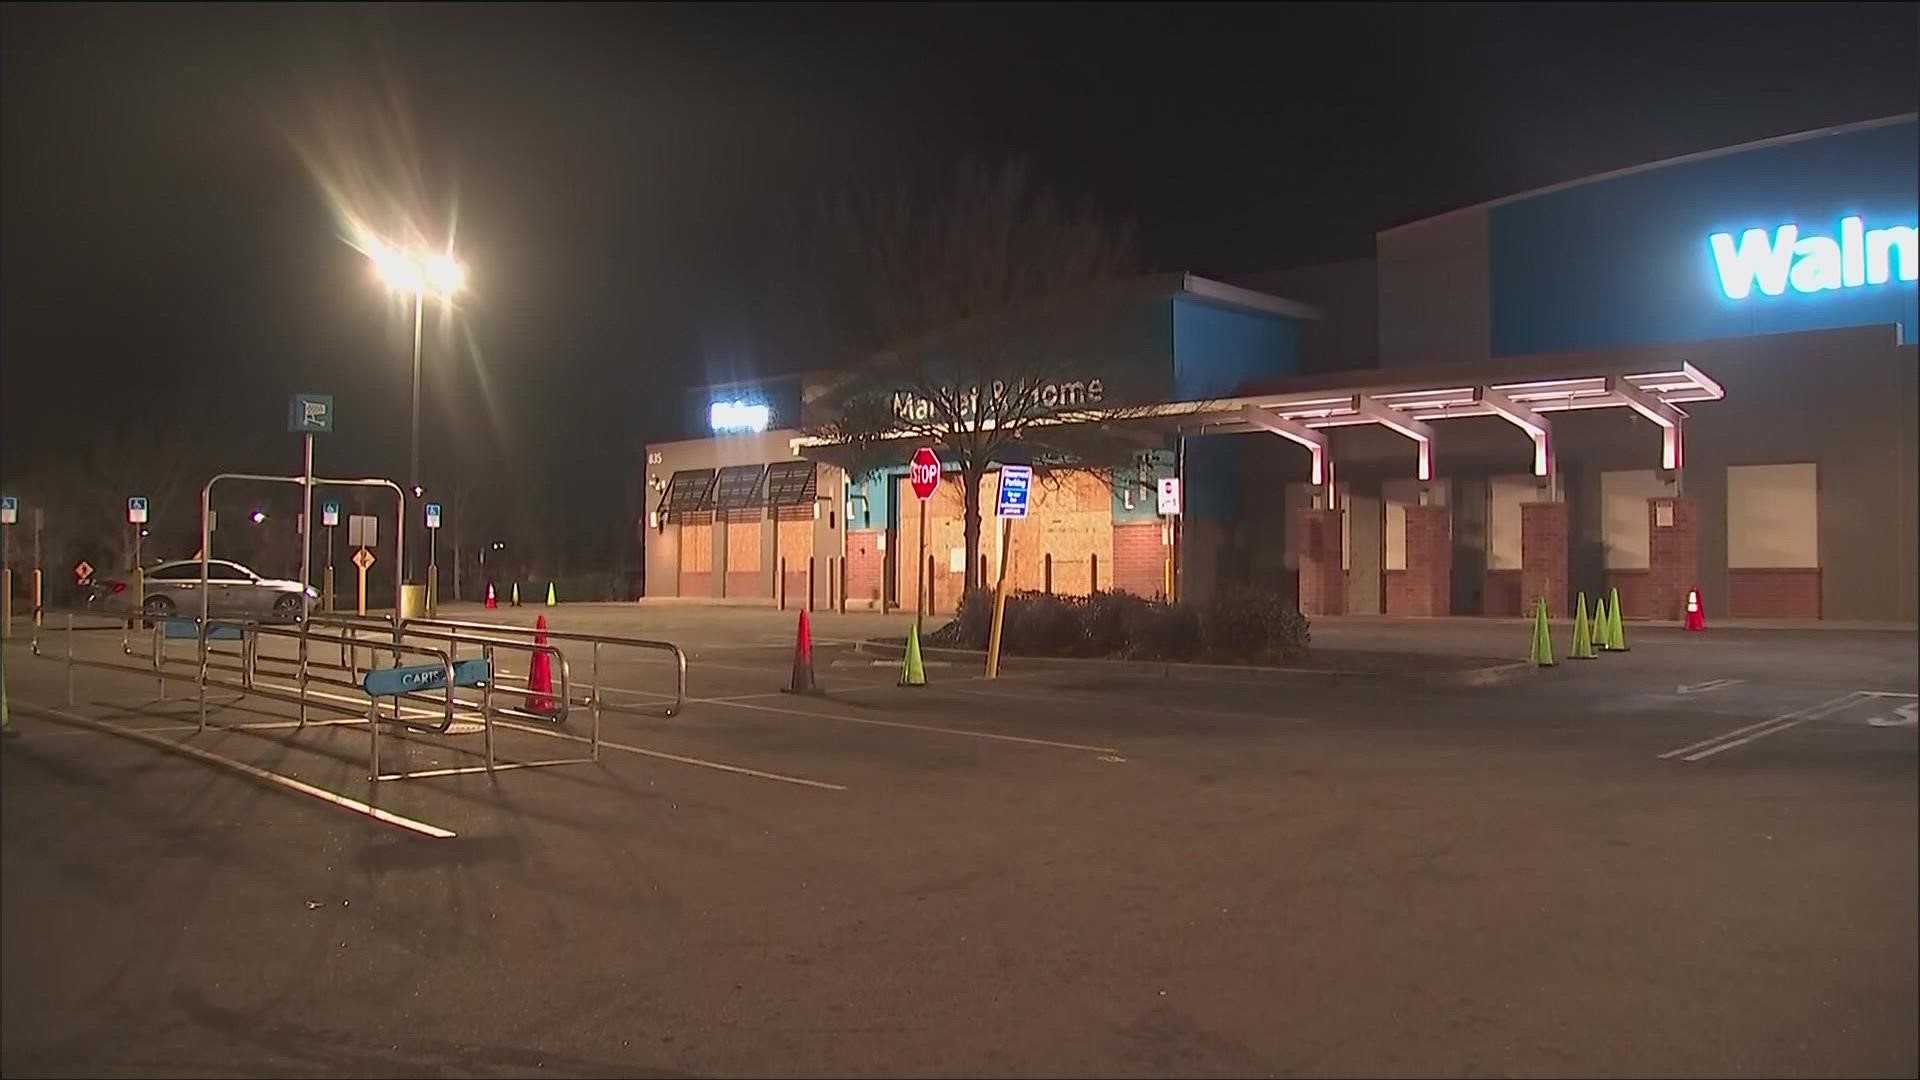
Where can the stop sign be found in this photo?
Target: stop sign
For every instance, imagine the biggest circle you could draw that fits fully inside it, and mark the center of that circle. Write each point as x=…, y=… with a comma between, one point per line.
x=924, y=471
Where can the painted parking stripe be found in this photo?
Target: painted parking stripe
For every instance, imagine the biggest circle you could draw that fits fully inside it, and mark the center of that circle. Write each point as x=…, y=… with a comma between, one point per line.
x=740, y=702
x=251, y=772
x=1741, y=736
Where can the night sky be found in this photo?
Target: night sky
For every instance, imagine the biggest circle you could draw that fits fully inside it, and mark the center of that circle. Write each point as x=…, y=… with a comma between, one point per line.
x=172, y=252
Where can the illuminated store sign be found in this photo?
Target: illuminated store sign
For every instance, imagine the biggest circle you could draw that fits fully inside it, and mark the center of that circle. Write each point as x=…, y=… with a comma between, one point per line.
x=1787, y=259
x=738, y=416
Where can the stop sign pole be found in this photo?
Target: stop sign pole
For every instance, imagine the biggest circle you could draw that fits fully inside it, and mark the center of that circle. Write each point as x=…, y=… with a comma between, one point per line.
x=924, y=472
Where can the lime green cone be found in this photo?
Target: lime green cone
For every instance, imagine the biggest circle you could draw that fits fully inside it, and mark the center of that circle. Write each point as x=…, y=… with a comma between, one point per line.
x=1542, y=639
x=1616, y=634
x=1582, y=633
x=912, y=671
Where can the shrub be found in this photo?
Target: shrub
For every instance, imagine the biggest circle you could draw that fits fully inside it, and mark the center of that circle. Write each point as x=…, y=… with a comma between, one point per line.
x=1240, y=627
x=1254, y=626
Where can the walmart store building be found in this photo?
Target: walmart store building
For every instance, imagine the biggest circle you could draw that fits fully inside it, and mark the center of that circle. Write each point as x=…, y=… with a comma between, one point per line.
x=1699, y=372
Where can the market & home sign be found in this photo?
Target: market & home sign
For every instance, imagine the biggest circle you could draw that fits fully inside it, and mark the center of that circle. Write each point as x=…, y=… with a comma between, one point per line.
x=1791, y=258
x=1048, y=397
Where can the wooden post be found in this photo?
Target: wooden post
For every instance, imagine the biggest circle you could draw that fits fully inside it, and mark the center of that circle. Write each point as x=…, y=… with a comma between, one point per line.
x=1093, y=575
x=783, y=581
x=930, y=581
x=1046, y=573
x=810, y=583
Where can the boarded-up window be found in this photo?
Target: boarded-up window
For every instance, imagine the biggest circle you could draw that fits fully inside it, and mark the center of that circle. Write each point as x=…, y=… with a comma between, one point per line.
x=1623, y=515
x=1773, y=516
x=696, y=549
x=1506, y=494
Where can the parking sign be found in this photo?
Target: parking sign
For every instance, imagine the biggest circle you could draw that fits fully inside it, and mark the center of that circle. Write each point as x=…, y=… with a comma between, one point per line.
x=1016, y=483
x=433, y=515
x=330, y=514
x=9, y=509
x=137, y=510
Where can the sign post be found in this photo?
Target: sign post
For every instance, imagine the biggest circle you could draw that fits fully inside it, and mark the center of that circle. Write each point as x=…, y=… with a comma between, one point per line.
x=362, y=559
x=1169, y=498
x=307, y=414
x=9, y=513
x=136, y=517
x=924, y=472
x=433, y=558
x=1016, y=486
x=329, y=517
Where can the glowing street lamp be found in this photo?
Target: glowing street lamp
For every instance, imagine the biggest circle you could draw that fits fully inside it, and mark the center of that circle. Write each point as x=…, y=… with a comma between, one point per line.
x=416, y=275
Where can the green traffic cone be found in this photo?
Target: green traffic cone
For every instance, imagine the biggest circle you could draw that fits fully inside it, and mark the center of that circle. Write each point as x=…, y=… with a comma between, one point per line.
x=1616, y=634
x=1600, y=624
x=1542, y=639
x=1582, y=633
x=912, y=671
x=552, y=600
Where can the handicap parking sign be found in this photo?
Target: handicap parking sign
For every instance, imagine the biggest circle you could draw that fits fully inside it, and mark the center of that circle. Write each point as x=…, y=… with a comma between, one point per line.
x=9, y=510
x=330, y=514
x=433, y=515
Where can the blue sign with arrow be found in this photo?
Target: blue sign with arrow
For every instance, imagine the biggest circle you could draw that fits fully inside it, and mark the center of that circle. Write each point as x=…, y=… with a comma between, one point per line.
x=394, y=681
x=1016, y=483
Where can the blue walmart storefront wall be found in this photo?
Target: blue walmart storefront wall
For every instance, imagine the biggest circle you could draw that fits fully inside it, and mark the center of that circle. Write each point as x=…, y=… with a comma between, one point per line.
x=1627, y=260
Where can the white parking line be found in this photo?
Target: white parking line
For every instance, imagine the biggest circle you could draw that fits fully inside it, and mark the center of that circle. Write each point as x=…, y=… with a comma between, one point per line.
x=1741, y=736
x=740, y=701
x=252, y=772
x=684, y=760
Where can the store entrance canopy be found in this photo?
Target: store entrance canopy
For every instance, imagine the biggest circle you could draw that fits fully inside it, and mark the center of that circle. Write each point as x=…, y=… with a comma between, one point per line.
x=1302, y=410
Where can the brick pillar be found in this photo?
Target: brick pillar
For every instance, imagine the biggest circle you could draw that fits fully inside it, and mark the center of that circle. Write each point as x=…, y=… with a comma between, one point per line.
x=1543, y=556
x=1323, y=581
x=1429, y=560
x=1673, y=557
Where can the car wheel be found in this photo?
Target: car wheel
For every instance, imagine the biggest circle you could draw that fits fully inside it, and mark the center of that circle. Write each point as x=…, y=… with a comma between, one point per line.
x=287, y=607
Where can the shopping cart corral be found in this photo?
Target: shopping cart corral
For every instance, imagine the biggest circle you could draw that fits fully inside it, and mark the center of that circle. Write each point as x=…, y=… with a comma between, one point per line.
x=435, y=680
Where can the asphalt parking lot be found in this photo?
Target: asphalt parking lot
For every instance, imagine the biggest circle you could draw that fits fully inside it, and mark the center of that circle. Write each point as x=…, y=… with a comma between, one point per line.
x=1695, y=858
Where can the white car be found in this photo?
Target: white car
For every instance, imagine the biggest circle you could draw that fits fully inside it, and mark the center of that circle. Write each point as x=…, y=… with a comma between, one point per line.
x=233, y=591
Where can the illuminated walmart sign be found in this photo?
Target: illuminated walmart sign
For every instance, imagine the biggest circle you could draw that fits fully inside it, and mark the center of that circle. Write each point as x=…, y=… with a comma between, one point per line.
x=1812, y=264
x=738, y=416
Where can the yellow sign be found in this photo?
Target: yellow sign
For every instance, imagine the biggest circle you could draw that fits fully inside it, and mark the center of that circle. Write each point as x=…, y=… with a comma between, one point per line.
x=362, y=559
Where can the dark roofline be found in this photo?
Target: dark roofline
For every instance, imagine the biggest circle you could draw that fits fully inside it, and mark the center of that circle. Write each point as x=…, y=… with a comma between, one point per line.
x=1614, y=174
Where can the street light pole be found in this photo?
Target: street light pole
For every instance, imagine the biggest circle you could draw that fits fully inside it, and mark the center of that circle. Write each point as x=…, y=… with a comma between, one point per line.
x=413, y=457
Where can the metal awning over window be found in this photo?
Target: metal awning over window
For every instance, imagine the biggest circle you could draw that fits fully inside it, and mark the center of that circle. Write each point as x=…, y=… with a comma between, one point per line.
x=689, y=492
x=792, y=483
x=739, y=487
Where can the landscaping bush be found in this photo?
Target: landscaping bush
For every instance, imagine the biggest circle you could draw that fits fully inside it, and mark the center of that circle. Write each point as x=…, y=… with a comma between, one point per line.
x=1253, y=627
x=1241, y=627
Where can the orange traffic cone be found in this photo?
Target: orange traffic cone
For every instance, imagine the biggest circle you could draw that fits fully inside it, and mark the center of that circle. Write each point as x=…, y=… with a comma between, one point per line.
x=492, y=602
x=540, y=673
x=1696, y=618
x=802, y=682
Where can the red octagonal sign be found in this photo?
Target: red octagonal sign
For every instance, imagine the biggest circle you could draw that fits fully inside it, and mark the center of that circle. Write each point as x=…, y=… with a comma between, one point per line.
x=924, y=471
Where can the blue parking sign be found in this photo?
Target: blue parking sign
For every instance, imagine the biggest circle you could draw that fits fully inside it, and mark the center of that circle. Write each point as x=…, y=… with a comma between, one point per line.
x=1016, y=483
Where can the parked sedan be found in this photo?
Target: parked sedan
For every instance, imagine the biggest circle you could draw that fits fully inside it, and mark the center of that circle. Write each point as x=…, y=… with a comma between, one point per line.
x=233, y=592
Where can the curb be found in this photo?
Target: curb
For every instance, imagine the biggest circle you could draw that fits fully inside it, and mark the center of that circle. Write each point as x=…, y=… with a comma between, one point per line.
x=1493, y=673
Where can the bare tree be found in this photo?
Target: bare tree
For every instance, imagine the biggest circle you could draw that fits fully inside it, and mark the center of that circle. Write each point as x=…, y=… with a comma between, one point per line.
x=958, y=315
x=85, y=491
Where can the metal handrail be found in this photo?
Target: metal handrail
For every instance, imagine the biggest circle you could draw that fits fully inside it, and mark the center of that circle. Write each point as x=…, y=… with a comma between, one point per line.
x=596, y=640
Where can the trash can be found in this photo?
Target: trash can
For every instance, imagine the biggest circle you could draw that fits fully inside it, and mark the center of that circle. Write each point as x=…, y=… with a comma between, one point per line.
x=413, y=601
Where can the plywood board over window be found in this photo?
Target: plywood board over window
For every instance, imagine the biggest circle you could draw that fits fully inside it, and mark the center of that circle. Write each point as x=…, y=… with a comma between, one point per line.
x=1773, y=516
x=1623, y=515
